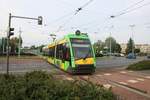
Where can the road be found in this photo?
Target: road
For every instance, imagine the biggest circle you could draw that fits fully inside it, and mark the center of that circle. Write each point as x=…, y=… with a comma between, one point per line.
x=24, y=64
x=110, y=62
x=110, y=72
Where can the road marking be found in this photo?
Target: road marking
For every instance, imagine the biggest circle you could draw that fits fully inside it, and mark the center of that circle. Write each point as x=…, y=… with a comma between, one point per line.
x=107, y=86
x=123, y=83
x=107, y=74
x=99, y=75
x=69, y=78
x=86, y=77
x=147, y=77
x=137, y=91
x=132, y=81
x=123, y=72
x=139, y=79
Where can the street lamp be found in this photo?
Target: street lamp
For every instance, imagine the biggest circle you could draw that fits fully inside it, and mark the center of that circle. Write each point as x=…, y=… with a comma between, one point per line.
x=110, y=40
x=19, y=45
x=53, y=37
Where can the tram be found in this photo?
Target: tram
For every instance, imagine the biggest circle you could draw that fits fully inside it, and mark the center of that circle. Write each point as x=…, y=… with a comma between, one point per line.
x=73, y=53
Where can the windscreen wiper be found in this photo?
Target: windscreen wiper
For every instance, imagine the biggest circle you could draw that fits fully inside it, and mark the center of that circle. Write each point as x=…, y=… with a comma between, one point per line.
x=87, y=54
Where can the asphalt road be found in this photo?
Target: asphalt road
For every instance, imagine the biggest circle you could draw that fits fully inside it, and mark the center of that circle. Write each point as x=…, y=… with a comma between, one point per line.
x=111, y=62
x=35, y=63
x=27, y=64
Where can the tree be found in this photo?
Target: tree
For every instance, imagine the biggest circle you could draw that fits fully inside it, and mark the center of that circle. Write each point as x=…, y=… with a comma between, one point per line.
x=3, y=44
x=130, y=46
x=98, y=46
x=14, y=44
x=39, y=47
x=118, y=48
x=110, y=41
x=33, y=47
x=137, y=50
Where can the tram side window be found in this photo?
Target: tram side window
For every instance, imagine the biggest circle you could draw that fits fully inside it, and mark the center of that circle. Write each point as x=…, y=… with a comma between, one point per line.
x=59, y=51
x=63, y=52
x=51, y=52
x=66, y=52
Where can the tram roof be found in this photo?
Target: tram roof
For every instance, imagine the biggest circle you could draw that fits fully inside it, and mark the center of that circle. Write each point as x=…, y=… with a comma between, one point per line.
x=70, y=35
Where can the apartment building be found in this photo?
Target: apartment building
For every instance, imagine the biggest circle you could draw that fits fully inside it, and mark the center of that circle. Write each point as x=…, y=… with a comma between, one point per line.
x=144, y=48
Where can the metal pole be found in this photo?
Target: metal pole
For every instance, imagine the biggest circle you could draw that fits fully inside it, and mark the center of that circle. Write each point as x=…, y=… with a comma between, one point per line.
x=24, y=17
x=9, y=25
x=19, y=45
x=3, y=45
x=110, y=39
x=110, y=43
x=54, y=39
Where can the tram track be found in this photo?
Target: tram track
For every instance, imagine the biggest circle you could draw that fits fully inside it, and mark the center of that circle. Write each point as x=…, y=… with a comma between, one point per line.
x=115, y=84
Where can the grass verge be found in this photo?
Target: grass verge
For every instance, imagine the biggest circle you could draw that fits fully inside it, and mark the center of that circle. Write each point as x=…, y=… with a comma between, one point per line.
x=142, y=65
x=39, y=85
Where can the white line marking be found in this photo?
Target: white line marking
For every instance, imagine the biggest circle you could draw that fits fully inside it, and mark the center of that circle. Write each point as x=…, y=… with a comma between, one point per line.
x=107, y=74
x=123, y=83
x=147, y=77
x=99, y=75
x=107, y=86
x=140, y=79
x=132, y=81
x=86, y=77
x=70, y=79
x=123, y=72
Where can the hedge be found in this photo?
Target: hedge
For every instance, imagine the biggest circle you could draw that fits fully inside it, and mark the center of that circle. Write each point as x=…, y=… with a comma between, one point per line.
x=142, y=65
x=39, y=85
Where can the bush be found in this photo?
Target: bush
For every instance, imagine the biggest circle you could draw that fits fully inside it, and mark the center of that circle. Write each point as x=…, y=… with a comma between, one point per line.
x=142, y=65
x=42, y=86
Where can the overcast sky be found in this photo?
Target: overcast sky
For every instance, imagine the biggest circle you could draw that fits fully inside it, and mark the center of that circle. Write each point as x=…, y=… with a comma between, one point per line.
x=59, y=18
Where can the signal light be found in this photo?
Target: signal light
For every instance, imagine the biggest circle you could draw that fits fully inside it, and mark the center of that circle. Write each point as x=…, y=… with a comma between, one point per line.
x=11, y=32
x=40, y=19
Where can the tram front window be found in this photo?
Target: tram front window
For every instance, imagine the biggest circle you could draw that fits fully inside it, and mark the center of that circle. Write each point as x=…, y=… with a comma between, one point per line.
x=81, y=49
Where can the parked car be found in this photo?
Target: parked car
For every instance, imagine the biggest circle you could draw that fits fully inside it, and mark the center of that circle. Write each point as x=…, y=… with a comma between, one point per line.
x=116, y=54
x=99, y=55
x=148, y=56
x=121, y=54
x=131, y=56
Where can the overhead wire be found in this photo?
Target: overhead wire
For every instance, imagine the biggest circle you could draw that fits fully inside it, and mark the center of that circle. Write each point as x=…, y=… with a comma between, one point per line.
x=126, y=10
x=130, y=10
x=76, y=12
x=71, y=13
x=60, y=18
x=131, y=6
x=83, y=6
x=121, y=12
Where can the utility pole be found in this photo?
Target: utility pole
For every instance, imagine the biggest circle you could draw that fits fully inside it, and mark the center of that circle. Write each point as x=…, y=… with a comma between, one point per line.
x=8, y=37
x=110, y=44
x=132, y=26
x=19, y=45
x=3, y=48
x=3, y=43
x=110, y=50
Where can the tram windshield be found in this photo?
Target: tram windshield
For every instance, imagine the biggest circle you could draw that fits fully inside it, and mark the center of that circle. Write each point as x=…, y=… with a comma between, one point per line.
x=82, y=48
